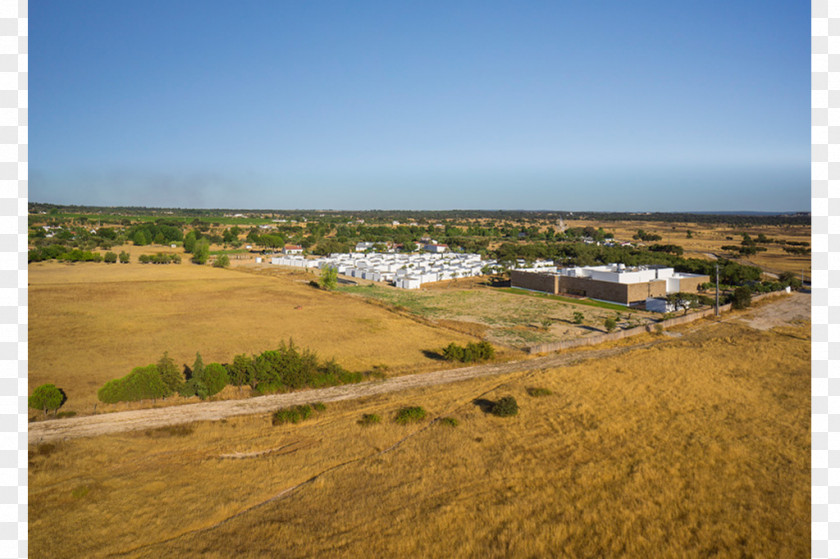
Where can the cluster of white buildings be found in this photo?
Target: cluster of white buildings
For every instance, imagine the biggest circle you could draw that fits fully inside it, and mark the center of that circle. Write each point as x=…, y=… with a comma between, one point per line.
x=407, y=271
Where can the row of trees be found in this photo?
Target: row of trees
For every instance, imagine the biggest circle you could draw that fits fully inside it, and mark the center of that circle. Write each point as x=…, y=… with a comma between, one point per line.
x=285, y=368
x=160, y=258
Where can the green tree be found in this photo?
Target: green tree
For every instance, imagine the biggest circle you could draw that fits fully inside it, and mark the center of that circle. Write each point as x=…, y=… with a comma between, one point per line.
x=741, y=297
x=201, y=251
x=610, y=324
x=47, y=398
x=111, y=257
x=329, y=278
x=684, y=301
x=198, y=366
x=189, y=242
x=238, y=370
x=222, y=261
x=169, y=373
x=140, y=238
x=790, y=279
x=124, y=257
x=214, y=377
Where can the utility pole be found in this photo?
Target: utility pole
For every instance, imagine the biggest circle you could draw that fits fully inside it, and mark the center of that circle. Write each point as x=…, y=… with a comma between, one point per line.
x=717, y=289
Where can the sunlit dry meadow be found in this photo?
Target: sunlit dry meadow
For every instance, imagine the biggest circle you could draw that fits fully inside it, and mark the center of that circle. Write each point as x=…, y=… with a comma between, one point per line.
x=89, y=323
x=697, y=446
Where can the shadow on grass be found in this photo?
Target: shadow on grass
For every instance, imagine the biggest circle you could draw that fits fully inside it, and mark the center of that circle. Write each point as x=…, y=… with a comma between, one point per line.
x=484, y=404
x=435, y=355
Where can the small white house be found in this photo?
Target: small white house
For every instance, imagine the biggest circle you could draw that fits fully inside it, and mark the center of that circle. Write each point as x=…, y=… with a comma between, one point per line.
x=436, y=248
x=292, y=249
x=658, y=304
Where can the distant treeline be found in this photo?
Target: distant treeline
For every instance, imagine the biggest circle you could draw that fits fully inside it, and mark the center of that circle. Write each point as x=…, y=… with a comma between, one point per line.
x=425, y=216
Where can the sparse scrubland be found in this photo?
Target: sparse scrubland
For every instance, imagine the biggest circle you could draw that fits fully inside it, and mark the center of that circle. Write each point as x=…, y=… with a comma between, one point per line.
x=693, y=444
x=696, y=446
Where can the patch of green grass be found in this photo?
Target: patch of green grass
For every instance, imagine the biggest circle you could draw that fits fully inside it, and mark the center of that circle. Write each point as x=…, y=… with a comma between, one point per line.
x=537, y=392
x=80, y=491
x=295, y=414
x=410, y=415
x=587, y=302
x=319, y=406
x=370, y=419
x=449, y=421
x=414, y=303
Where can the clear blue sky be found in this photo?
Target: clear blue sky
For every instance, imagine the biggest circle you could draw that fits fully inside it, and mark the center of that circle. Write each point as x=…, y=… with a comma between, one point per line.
x=602, y=105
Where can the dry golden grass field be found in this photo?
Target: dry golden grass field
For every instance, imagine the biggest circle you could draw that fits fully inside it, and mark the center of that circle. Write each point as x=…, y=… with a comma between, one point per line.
x=708, y=238
x=695, y=447
x=92, y=322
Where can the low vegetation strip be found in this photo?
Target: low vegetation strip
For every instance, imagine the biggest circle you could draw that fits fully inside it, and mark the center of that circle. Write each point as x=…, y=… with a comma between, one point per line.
x=95, y=425
x=90, y=426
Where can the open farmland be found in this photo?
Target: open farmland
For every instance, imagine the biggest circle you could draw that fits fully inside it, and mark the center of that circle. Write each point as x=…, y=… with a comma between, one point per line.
x=89, y=323
x=707, y=239
x=507, y=318
x=696, y=446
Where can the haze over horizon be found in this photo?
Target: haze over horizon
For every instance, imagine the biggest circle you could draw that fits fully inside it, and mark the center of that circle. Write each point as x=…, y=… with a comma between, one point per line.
x=645, y=107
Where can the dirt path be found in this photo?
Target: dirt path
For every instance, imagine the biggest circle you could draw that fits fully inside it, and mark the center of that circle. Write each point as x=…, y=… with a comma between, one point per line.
x=787, y=309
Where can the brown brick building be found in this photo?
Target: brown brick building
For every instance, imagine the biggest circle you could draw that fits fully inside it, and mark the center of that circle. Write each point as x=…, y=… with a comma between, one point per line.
x=613, y=283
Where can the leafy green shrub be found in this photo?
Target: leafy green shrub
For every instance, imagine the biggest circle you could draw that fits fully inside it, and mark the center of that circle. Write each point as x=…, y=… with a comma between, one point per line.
x=505, y=407
x=111, y=257
x=369, y=419
x=47, y=397
x=449, y=421
x=329, y=278
x=142, y=383
x=741, y=297
x=319, y=406
x=481, y=351
x=215, y=378
x=294, y=414
x=577, y=318
x=410, y=415
x=223, y=261
x=610, y=324
x=537, y=392
x=124, y=257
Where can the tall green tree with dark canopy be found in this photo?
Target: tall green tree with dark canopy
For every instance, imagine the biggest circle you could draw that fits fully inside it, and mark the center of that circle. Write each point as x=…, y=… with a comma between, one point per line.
x=47, y=398
x=214, y=377
x=198, y=366
x=169, y=373
x=201, y=252
x=189, y=242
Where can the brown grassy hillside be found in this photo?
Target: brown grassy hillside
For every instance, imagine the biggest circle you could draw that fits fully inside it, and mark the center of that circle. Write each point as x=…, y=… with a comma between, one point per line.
x=695, y=447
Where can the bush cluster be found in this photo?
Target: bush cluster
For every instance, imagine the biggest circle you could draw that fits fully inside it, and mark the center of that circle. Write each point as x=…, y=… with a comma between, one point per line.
x=537, y=392
x=410, y=415
x=505, y=407
x=481, y=351
x=285, y=368
x=160, y=258
x=369, y=419
x=295, y=414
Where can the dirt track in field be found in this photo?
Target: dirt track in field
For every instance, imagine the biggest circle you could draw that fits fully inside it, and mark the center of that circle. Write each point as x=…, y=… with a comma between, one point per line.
x=787, y=309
